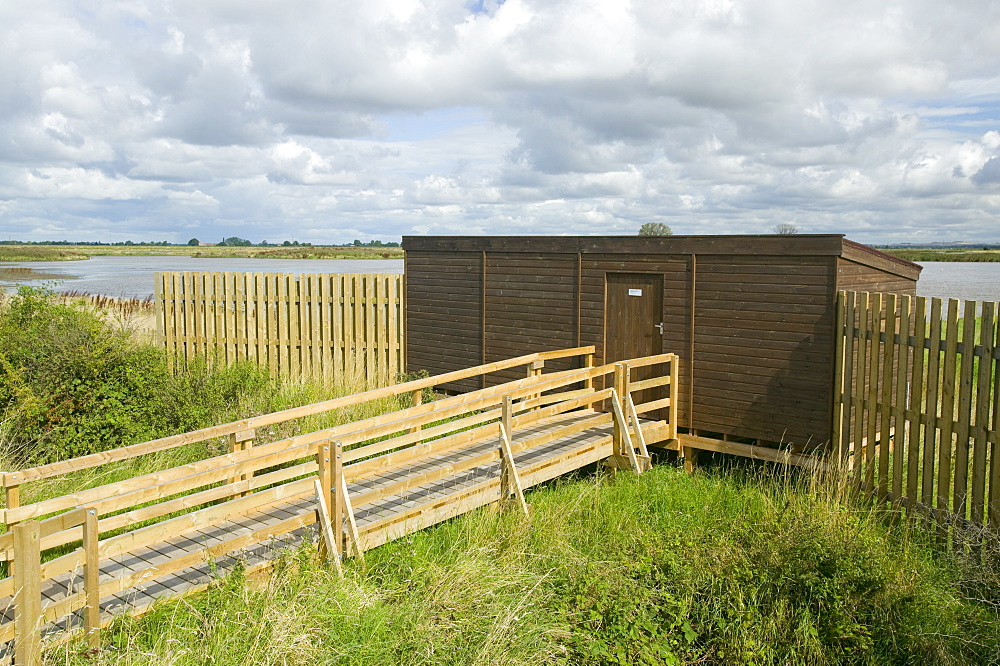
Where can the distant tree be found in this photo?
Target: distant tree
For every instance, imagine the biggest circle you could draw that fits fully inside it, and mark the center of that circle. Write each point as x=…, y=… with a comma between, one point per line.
x=357, y=243
x=234, y=241
x=785, y=228
x=655, y=229
x=193, y=242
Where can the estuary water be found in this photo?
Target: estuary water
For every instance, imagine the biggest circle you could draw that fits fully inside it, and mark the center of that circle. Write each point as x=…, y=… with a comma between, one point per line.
x=970, y=281
x=132, y=277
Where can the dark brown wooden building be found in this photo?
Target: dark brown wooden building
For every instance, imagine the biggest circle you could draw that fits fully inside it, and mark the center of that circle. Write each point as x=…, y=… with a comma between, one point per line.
x=752, y=317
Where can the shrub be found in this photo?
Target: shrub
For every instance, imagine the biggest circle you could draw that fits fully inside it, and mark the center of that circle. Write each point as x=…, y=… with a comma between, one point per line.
x=72, y=384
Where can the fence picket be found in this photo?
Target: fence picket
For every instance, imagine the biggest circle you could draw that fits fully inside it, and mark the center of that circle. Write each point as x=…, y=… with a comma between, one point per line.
x=901, y=354
x=982, y=412
x=964, y=417
x=916, y=388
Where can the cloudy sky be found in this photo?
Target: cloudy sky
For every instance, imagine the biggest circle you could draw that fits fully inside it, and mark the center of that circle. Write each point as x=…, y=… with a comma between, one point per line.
x=326, y=121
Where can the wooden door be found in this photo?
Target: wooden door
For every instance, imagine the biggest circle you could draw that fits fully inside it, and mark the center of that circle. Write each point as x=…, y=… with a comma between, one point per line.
x=633, y=309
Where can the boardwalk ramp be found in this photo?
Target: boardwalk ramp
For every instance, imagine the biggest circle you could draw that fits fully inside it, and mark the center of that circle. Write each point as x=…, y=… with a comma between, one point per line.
x=76, y=560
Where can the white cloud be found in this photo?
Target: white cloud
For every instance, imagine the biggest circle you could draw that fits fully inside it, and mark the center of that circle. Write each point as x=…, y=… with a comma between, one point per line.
x=339, y=120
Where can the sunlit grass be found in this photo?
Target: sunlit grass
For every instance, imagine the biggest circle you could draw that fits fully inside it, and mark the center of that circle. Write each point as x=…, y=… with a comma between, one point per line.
x=725, y=567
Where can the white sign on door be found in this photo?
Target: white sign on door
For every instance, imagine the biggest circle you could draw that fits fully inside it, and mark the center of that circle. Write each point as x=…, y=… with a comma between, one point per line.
x=635, y=292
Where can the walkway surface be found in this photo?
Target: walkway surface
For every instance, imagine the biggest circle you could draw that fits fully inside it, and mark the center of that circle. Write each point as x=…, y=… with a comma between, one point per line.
x=379, y=518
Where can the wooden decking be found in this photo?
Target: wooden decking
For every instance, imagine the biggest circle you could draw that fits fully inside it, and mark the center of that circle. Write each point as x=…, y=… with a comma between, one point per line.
x=352, y=487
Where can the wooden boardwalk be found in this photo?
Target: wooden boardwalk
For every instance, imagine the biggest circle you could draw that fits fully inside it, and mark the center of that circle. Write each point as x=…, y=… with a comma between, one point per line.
x=121, y=547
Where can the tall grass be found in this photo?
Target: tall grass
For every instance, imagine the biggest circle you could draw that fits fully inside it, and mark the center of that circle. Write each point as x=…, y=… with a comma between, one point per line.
x=716, y=568
x=945, y=255
x=39, y=253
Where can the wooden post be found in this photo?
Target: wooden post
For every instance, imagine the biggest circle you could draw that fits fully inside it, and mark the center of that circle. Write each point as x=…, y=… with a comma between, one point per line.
x=28, y=594
x=242, y=441
x=674, y=394
x=352, y=525
x=626, y=457
x=337, y=496
x=12, y=492
x=506, y=419
x=324, y=500
x=620, y=386
x=328, y=543
x=639, y=436
x=91, y=580
x=535, y=370
x=417, y=398
x=588, y=362
x=510, y=481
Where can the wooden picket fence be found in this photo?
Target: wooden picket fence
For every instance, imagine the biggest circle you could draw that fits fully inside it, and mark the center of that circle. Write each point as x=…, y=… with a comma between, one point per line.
x=319, y=325
x=917, y=402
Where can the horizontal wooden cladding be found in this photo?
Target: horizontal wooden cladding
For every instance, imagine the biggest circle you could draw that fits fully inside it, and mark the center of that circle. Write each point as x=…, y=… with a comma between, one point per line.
x=768, y=432
x=781, y=311
x=594, y=267
x=854, y=276
x=454, y=291
x=444, y=312
x=777, y=245
x=869, y=256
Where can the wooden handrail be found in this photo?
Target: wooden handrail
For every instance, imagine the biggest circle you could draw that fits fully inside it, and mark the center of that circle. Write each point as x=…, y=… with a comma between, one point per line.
x=11, y=479
x=289, y=470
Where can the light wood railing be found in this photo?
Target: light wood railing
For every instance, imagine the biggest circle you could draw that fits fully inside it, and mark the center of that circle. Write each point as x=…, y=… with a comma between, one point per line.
x=59, y=537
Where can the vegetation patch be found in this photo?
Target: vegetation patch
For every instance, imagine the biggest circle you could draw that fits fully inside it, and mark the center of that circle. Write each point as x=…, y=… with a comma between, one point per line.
x=718, y=568
x=72, y=383
x=39, y=253
x=924, y=255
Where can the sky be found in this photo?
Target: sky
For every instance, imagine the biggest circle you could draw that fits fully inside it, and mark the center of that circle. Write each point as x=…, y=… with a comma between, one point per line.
x=329, y=121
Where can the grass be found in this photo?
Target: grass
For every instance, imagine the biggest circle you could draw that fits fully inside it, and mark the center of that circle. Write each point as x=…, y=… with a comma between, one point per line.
x=726, y=567
x=921, y=255
x=66, y=252
x=40, y=253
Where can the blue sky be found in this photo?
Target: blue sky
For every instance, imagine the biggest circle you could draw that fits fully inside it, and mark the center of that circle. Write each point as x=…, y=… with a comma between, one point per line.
x=326, y=122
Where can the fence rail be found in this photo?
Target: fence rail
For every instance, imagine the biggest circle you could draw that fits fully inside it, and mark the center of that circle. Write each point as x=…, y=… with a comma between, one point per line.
x=321, y=325
x=917, y=403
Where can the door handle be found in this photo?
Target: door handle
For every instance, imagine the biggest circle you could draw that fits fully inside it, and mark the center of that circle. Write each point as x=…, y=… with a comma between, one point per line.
x=659, y=327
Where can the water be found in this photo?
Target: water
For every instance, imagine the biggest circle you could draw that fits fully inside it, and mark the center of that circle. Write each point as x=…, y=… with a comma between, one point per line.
x=132, y=277
x=963, y=280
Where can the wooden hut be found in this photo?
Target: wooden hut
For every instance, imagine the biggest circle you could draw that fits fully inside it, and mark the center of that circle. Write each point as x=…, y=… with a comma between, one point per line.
x=752, y=317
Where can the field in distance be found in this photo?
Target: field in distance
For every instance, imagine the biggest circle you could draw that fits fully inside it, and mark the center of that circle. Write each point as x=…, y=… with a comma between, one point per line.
x=73, y=252
x=944, y=254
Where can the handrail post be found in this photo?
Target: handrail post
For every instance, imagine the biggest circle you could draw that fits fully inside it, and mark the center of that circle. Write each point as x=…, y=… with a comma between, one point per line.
x=242, y=440
x=417, y=398
x=28, y=594
x=337, y=504
x=12, y=493
x=674, y=394
x=535, y=369
x=588, y=362
x=620, y=386
x=91, y=579
x=506, y=419
x=510, y=481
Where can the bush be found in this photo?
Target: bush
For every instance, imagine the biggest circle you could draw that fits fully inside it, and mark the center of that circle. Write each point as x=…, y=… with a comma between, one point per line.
x=72, y=384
